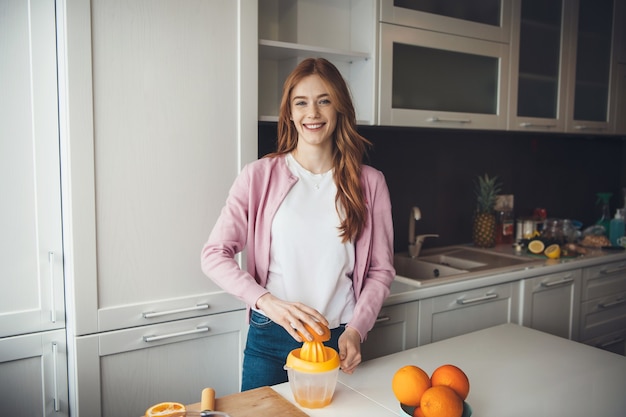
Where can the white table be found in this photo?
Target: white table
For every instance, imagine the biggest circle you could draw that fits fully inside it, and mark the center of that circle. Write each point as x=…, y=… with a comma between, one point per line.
x=513, y=371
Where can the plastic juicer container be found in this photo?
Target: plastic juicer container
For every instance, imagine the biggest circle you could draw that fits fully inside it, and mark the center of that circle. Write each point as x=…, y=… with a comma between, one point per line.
x=312, y=371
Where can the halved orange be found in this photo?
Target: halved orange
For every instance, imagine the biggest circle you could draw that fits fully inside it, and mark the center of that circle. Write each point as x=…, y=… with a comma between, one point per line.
x=325, y=337
x=166, y=409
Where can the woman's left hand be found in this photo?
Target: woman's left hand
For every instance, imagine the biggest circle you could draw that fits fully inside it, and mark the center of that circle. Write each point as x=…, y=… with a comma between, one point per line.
x=349, y=350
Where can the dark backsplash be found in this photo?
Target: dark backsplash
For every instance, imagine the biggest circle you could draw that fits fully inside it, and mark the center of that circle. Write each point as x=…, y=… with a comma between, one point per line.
x=435, y=169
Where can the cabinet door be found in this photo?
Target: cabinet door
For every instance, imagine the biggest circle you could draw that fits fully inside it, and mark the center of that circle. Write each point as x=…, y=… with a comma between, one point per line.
x=620, y=107
x=431, y=79
x=552, y=303
x=487, y=19
x=31, y=266
x=603, y=315
x=122, y=373
x=464, y=312
x=173, y=102
x=395, y=330
x=33, y=375
x=591, y=62
x=539, y=65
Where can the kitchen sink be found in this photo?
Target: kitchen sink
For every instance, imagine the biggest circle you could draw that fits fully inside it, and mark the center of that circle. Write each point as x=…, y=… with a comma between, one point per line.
x=452, y=261
x=416, y=269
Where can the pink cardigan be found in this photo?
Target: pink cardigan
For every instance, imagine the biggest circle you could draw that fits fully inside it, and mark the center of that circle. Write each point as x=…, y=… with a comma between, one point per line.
x=246, y=219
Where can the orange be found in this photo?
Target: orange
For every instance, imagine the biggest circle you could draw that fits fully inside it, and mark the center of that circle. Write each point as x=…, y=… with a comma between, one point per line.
x=441, y=401
x=409, y=383
x=316, y=337
x=166, y=409
x=453, y=377
x=418, y=412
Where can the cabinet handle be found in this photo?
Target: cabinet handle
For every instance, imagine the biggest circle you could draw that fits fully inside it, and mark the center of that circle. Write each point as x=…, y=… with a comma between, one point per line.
x=485, y=297
x=611, y=343
x=615, y=303
x=546, y=125
x=152, y=314
x=585, y=127
x=563, y=281
x=53, y=307
x=55, y=383
x=448, y=120
x=613, y=270
x=154, y=338
x=382, y=319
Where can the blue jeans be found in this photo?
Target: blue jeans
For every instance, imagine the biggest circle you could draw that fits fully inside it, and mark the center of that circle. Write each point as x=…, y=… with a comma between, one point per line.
x=266, y=352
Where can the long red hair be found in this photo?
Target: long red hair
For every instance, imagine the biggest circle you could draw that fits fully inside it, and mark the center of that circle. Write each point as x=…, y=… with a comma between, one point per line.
x=349, y=147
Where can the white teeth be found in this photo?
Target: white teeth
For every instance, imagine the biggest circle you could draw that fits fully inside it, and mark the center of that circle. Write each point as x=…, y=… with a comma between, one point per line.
x=314, y=126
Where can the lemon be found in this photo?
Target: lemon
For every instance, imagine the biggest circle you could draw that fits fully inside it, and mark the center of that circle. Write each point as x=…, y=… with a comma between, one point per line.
x=166, y=409
x=553, y=251
x=536, y=247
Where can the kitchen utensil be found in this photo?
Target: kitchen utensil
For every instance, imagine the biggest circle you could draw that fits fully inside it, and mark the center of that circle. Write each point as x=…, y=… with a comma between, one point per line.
x=259, y=402
x=312, y=372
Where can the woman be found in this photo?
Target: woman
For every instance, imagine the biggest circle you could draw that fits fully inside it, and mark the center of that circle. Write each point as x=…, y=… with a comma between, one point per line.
x=317, y=227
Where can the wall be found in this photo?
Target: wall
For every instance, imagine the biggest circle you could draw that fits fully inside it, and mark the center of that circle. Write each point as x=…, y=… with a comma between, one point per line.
x=435, y=170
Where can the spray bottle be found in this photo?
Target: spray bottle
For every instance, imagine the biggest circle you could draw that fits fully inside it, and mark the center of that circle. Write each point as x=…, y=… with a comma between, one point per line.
x=605, y=219
x=616, y=228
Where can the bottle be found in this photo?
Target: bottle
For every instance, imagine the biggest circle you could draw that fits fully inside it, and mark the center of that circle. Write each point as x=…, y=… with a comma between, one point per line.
x=616, y=227
x=605, y=219
x=505, y=226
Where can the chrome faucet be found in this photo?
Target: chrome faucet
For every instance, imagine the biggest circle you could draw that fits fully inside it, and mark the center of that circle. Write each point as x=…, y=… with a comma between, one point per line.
x=415, y=242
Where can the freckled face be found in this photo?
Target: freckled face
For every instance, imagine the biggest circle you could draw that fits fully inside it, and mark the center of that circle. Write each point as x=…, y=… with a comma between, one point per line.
x=312, y=112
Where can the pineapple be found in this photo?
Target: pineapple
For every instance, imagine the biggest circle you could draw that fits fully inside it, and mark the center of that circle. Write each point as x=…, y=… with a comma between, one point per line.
x=484, y=230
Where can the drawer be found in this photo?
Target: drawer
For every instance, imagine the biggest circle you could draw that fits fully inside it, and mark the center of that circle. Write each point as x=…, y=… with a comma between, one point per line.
x=604, y=280
x=464, y=299
x=603, y=315
x=613, y=342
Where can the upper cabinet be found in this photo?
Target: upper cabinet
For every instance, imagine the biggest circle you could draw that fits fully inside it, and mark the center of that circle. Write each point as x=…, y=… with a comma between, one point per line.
x=486, y=19
x=450, y=74
x=592, y=65
x=539, y=65
x=563, y=66
x=343, y=32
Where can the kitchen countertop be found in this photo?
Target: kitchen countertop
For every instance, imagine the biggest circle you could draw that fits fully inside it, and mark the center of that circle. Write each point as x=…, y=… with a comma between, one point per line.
x=406, y=289
x=513, y=371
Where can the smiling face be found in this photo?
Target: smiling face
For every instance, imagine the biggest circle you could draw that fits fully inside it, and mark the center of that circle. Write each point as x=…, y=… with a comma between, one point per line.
x=313, y=113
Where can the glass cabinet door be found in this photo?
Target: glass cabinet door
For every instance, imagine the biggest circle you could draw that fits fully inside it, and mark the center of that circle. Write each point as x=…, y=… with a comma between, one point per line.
x=440, y=80
x=484, y=19
x=538, y=69
x=593, y=60
x=486, y=11
x=539, y=63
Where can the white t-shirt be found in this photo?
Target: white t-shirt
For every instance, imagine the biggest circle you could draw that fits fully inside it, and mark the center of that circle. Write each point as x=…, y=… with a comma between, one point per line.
x=308, y=261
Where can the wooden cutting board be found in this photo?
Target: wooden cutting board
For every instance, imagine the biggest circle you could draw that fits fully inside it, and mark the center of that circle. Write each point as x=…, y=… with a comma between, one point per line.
x=259, y=402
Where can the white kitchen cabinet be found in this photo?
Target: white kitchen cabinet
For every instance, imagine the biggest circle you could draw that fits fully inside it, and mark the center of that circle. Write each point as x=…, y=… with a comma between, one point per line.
x=592, y=67
x=33, y=374
x=158, y=116
x=551, y=303
x=344, y=32
x=31, y=271
x=603, y=308
x=434, y=79
x=395, y=330
x=488, y=19
x=168, y=97
x=463, y=312
x=33, y=357
x=124, y=372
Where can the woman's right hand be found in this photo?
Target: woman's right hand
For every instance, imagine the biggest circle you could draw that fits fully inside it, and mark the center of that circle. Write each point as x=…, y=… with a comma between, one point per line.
x=292, y=316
